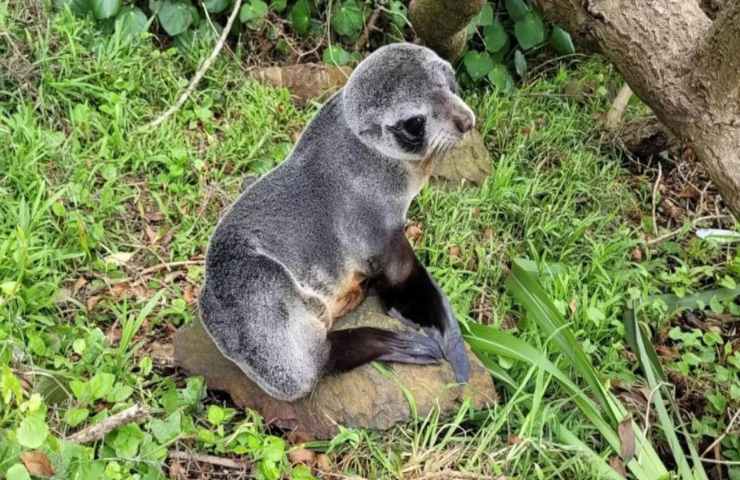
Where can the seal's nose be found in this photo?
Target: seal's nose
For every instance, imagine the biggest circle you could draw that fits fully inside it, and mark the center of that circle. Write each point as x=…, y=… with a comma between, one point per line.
x=463, y=121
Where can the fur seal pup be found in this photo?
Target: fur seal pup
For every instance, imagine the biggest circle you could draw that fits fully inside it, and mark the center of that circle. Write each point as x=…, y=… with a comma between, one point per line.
x=300, y=246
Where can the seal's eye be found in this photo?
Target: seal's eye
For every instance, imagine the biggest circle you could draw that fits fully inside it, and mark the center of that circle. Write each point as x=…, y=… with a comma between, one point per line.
x=414, y=126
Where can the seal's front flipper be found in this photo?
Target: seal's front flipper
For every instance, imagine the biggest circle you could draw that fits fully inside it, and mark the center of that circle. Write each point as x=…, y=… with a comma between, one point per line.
x=409, y=292
x=353, y=347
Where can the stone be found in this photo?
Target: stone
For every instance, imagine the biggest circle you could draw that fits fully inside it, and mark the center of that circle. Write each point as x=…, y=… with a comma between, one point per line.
x=370, y=396
x=305, y=81
x=469, y=161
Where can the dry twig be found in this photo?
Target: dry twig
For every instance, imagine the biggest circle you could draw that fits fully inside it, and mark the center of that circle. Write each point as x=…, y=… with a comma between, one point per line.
x=724, y=434
x=694, y=223
x=100, y=430
x=209, y=459
x=616, y=112
x=362, y=41
x=655, y=198
x=201, y=71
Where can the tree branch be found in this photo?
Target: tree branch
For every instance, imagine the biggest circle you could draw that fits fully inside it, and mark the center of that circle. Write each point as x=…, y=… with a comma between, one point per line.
x=692, y=90
x=201, y=71
x=441, y=23
x=717, y=63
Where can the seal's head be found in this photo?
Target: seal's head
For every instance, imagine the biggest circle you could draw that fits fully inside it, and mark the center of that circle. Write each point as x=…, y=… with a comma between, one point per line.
x=402, y=101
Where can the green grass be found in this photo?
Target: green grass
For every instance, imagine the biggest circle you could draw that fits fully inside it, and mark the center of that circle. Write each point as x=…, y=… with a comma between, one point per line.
x=89, y=202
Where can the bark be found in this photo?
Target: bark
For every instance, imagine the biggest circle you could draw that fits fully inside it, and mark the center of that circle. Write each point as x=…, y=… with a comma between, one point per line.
x=440, y=24
x=682, y=65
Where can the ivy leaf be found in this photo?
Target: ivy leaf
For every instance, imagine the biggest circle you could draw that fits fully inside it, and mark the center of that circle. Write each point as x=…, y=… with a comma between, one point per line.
x=517, y=9
x=500, y=78
x=119, y=393
x=485, y=17
x=495, y=36
x=175, y=17
x=477, y=64
x=529, y=31
x=126, y=440
x=300, y=17
x=279, y=5
x=131, y=22
x=17, y=472
x=561, y=41
x=347, y=19
x=32, y=432
x=301, y=472
x=75, y=416
x=103, y=9
x=336, y=55
x=253, y=12
x=166, y=430
x=216, y=6
x=520, y=63
x=10, y=387
x=101, y=384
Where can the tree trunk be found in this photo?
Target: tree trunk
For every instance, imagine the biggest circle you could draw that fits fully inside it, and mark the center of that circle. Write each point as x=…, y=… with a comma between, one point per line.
x=440, y=24
x=686, y=68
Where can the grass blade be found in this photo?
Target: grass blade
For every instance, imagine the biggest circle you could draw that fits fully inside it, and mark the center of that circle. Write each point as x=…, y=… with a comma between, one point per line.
x=655, y=377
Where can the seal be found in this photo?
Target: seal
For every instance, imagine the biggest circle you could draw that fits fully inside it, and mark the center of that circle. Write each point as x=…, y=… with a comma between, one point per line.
x=301, y=246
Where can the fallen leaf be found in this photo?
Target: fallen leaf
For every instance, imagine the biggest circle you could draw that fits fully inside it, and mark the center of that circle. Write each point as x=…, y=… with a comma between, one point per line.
x=37, y=463
x=119, y=290
x=151, y=235
x=154, y=216
x=671, y=209
x=618, y=466
x=302, y=455
x=627, y=440
x=79, y=284
x=455, y=251
x=92, y=302
x=514, y=440
x=488, y=234
x=113, y=335
x=636, y=254
x=666, y=352
x=413, y=232
x=172, y=276
x=119, y=258
x=167, y=237
x=189, y=294
x=475, y=212
x=177, y=471
x=323, y=462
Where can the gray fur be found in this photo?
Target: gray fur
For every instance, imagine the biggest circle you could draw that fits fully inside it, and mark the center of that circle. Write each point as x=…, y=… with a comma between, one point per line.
x=277, y=255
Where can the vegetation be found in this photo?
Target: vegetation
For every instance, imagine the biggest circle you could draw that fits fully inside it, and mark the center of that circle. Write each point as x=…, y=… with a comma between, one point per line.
x=103, y=227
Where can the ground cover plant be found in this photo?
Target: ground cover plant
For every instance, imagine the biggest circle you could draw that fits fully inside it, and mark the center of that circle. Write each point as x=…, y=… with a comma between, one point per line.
x=103, y=227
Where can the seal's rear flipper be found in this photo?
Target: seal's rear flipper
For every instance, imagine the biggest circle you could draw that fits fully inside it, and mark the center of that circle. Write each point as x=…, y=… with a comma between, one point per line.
x=353, y=347
x=408, y=292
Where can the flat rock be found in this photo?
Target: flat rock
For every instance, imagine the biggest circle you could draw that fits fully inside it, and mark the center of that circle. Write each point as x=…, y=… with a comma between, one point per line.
x=468, y=162
x=305, y=81
x=370, y=396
